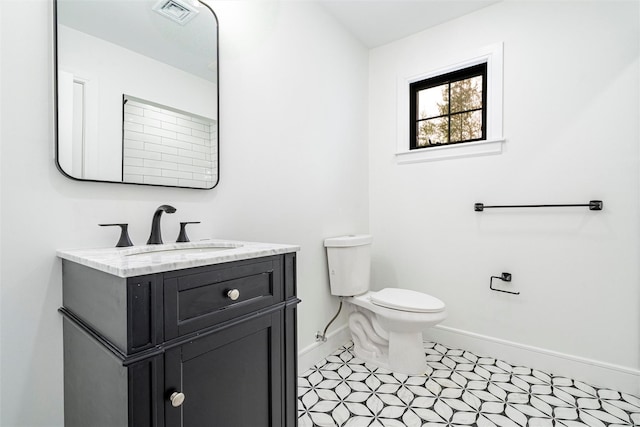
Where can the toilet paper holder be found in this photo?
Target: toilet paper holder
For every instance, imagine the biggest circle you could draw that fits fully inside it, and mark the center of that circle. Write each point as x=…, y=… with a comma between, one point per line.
x=505, y=277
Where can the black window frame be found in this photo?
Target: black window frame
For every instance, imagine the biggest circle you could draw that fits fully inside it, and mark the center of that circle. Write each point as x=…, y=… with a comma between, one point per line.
x=439, y=80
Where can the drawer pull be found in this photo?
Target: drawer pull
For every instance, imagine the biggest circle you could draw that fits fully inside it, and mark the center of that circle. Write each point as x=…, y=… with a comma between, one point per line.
x=176, y=399
x=233, y=294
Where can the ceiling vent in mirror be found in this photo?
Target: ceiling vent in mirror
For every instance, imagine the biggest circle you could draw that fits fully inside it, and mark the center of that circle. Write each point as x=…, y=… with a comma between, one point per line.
x=179, y=11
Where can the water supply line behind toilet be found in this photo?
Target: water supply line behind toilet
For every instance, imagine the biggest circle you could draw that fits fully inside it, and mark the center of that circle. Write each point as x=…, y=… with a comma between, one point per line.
x=323, y=336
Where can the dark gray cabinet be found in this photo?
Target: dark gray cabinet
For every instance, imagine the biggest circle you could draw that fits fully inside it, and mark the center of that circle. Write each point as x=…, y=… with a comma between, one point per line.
x=207, y=346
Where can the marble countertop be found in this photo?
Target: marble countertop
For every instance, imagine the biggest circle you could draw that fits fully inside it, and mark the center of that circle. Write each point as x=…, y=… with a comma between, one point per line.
x=148, y=259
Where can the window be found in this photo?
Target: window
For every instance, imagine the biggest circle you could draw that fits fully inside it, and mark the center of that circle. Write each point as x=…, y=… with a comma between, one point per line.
x=449, y=108
x=426, y=69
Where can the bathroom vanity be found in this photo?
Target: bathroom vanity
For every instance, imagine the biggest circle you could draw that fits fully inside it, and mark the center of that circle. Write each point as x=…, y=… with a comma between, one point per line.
x=191, y=334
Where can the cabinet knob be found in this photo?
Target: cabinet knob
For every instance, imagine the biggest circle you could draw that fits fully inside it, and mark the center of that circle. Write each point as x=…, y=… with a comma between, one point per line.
x=233, y=294
x=176, y=399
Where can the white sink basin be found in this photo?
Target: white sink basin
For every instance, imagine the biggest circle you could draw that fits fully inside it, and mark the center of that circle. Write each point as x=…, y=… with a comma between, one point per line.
x=200, y=250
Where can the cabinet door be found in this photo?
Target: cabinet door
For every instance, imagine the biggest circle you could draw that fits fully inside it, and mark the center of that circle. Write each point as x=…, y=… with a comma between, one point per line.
x=231, y=378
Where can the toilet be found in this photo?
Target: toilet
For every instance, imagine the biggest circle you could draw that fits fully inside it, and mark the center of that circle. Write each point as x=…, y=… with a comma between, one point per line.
x=386, y=326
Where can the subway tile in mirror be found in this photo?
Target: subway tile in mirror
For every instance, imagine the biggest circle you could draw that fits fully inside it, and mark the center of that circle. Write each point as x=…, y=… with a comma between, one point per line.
x=166, y=146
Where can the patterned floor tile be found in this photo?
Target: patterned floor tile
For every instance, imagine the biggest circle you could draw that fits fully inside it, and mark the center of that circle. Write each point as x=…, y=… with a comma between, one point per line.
x=458, y=389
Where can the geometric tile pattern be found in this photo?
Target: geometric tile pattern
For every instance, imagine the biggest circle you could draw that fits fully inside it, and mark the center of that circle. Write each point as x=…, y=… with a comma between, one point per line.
x=458, y=389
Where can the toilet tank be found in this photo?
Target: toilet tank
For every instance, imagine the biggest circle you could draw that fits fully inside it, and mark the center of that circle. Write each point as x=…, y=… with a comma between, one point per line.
x=349, y=262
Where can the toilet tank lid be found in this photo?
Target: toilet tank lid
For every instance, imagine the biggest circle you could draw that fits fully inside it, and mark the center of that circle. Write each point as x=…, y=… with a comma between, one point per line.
x=407, y=300
x=347, y=241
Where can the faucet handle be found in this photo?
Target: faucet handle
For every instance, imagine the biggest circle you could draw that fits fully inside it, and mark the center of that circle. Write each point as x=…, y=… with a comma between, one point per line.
x=124, y=235
x=182, y=237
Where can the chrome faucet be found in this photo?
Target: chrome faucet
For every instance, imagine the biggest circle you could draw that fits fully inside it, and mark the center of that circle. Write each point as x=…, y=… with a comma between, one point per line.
x=156, y=236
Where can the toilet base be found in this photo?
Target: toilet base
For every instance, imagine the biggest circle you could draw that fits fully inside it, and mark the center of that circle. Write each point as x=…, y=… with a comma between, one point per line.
x=401, y=352
x=406, y=353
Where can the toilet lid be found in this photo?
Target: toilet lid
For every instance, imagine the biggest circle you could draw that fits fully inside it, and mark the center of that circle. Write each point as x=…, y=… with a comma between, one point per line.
x=407, y=300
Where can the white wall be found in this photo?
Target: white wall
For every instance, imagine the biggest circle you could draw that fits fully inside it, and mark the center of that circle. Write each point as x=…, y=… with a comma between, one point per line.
x=293, y=170
x=571, y=108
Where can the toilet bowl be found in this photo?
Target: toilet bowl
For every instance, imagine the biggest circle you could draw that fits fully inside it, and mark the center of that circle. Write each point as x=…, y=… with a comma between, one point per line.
x=386, y=326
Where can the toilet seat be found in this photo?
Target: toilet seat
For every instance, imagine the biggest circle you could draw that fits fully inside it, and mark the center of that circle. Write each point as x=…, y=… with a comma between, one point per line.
x=407, y=300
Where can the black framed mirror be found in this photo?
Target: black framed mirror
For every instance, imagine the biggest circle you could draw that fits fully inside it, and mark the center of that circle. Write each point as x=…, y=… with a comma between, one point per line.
x=137, y=92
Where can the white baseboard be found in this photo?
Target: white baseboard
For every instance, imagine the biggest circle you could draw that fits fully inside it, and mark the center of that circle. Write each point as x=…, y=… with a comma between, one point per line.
x=590, y=371
x=315, y=352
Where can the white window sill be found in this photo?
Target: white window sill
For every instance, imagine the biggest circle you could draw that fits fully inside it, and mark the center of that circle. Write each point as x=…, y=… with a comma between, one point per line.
x=467, y=149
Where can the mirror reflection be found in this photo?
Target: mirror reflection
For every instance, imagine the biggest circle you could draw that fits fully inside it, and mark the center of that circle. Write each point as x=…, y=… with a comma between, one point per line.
x=137, y=92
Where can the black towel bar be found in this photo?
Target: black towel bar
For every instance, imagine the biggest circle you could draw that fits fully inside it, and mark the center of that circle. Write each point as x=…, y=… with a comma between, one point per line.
x=593, y=205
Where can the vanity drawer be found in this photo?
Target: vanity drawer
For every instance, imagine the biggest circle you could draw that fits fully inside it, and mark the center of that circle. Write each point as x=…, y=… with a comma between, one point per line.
x=198, y=298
